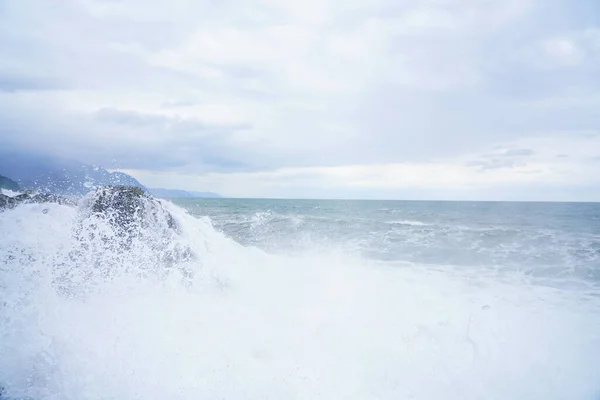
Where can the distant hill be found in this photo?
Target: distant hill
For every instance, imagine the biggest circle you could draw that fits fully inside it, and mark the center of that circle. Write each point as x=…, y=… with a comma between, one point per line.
x=7, y=183
x=58, y=175
x=178, y=194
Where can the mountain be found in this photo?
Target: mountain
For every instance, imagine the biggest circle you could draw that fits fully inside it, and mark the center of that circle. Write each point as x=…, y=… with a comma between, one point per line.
x=59, y=175
x=7, y=183
x=211, y=195
x=175, y=194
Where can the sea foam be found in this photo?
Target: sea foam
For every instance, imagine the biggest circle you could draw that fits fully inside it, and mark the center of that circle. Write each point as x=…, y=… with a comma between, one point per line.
x=238, y=323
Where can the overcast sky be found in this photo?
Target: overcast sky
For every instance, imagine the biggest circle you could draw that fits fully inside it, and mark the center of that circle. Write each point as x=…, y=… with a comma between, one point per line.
x=436, y=99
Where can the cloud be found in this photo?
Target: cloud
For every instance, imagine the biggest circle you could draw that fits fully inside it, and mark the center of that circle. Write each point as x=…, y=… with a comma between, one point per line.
x=296, y=96
x=571, y=49
x=14, y=83
x=541, y=177
x=502, y=158
x=408, y=180
x=494, y=163
x=518, y=152
x=563, y=51
x=173, y=125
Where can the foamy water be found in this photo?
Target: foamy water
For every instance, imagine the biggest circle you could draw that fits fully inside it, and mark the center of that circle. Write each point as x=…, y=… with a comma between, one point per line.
x=9, y=193
x=239, y=322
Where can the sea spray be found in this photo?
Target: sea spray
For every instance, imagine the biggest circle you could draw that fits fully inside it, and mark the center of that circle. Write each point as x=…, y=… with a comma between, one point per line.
x=116, y=319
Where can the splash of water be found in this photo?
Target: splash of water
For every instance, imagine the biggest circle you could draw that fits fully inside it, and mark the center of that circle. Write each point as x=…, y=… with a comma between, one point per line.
x=90, y=312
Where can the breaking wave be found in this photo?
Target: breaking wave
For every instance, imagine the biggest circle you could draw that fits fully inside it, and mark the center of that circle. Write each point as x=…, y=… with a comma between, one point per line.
x=406, y=222
x=163, y=306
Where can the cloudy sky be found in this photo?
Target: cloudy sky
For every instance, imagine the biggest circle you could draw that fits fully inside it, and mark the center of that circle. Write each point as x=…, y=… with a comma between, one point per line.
x=435, y=99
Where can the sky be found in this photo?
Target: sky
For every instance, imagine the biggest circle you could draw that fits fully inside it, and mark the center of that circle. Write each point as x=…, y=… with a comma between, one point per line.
x=398, y=99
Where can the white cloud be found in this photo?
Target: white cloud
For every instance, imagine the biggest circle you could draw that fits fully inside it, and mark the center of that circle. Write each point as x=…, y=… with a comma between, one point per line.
x=570, y=49
x=563, y=51
x=264, y=96
x=315, y=48
x=456, y=178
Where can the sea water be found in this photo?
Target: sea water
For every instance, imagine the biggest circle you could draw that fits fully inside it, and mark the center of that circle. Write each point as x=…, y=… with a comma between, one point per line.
x=299, y=299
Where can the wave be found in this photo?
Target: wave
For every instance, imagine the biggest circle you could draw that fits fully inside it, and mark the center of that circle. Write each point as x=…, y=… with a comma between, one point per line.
x=407, y=222
x=9, y=193
x=175, y=309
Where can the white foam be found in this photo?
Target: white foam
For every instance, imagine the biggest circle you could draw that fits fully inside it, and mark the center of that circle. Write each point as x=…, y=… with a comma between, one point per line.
x=257, y=326
x=9, y=193
x=407, y=222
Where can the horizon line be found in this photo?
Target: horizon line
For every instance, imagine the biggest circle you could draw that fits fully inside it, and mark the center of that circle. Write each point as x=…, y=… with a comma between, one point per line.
x=375, y=199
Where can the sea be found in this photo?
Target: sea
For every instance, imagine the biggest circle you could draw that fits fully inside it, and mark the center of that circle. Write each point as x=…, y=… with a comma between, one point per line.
x=263, y=299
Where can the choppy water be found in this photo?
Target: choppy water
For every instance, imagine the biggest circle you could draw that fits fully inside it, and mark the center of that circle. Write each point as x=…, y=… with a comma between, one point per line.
x=305, y=300
x=546, y=240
